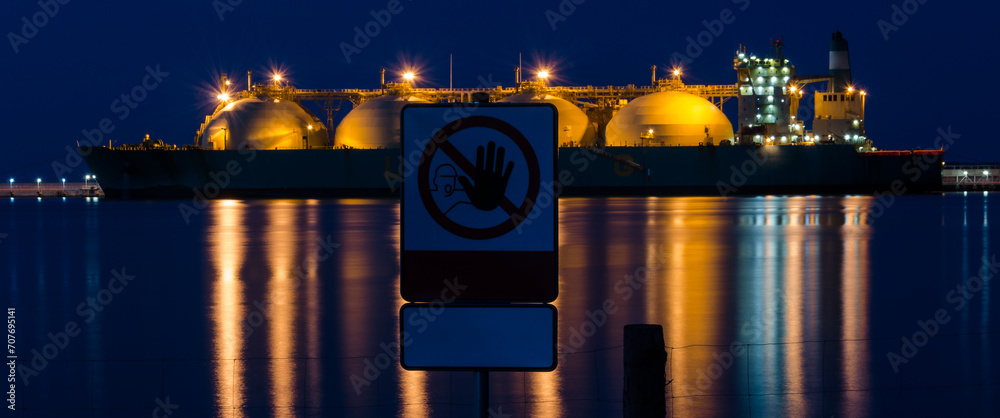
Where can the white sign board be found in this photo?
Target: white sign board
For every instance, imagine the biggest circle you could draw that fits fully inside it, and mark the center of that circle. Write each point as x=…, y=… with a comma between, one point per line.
x=477, y=201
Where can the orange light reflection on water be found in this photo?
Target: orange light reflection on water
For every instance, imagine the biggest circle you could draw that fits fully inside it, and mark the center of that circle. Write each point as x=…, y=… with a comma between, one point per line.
x=281, y=235
x=855, y=373
x=413, y=384
x=227, y=245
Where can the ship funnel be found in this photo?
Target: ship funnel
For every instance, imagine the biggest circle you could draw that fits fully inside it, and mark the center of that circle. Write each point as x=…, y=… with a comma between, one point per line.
x=840, y=63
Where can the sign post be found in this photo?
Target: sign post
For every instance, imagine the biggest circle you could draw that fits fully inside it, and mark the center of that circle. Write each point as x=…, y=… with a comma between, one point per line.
x=479, y=242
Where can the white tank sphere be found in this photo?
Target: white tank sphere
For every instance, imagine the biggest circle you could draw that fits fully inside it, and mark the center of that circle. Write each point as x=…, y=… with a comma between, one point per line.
x=669, y=118
x=573, y=126
x=374, y=124
x=263, y=124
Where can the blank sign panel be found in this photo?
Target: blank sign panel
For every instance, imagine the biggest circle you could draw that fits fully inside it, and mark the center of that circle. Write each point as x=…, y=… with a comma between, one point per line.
x=508, y=337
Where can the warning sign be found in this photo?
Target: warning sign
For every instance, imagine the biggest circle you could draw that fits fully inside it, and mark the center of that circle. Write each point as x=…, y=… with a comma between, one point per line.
x=469, y=209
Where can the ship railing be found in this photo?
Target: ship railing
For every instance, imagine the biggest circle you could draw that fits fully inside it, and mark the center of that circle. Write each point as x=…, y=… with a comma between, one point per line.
x=971, y=175
x=73, y=189
x=52, y=186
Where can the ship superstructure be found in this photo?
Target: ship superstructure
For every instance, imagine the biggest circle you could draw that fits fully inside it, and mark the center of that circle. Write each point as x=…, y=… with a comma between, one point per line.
x=767, y=99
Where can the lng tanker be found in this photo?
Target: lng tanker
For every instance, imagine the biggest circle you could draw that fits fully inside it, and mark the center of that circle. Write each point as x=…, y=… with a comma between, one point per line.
x=665, y=138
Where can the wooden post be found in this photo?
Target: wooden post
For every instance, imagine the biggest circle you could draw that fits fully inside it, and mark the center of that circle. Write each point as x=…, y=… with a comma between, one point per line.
x=481, y=394
x=645, y=371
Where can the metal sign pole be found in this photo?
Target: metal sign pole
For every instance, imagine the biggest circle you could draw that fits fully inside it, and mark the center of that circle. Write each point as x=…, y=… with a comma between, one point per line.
x=481, y=394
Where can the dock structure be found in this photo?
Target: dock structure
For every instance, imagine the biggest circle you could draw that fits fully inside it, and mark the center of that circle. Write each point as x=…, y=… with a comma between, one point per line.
x=38, y=189
x=970, y=177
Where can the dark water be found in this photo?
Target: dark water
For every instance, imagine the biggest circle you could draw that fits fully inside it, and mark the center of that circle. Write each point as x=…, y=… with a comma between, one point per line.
x=770, y=306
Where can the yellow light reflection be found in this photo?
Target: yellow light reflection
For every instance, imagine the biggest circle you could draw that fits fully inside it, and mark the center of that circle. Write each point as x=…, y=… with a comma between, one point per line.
x=796, y=368
x=282, y=239
x=688, y=243
x=227, y=244
x=855, y=311
x=544, y=390
x=313, y=308
x=413, y=384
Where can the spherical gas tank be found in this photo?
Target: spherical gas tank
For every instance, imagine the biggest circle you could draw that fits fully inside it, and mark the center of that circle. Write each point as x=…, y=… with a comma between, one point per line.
x=669, y=118
x=263, y=124
x=573, y=126
x=374, y=124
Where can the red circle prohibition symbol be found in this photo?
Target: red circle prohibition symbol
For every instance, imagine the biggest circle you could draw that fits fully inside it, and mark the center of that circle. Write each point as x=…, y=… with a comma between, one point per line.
x=440, y=141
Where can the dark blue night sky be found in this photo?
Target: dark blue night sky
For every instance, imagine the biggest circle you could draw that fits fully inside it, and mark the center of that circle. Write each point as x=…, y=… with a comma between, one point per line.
x=932, y=72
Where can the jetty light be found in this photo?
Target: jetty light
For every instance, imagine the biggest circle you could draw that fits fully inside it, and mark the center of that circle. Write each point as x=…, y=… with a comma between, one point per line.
x=222, y=96
x=986, y=173
x=677, y=73
x=38, y=180
x=408, y=75
x=277, y=78
x=543, y=74
x=965, y=173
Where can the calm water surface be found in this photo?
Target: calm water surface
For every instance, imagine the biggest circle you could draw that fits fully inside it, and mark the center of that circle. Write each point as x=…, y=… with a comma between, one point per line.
x=770, y=306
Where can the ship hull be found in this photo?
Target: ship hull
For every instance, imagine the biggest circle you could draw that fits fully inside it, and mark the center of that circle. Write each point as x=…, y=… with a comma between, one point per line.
x=611, y=171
